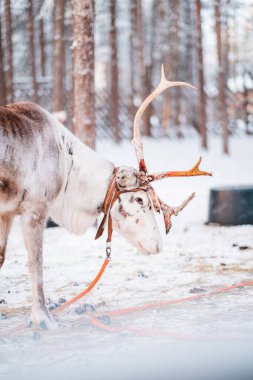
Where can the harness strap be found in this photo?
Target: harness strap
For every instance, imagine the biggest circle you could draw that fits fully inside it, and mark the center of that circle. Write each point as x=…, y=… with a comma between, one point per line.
x=111, y=196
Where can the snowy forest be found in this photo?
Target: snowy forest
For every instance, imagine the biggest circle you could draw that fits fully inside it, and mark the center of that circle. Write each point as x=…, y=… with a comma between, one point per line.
x=94, y=62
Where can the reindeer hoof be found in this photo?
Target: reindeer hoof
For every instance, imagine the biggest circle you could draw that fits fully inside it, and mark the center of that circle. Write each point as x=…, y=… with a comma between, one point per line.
x=43, y=325
x=42, y=320
x=36, y=336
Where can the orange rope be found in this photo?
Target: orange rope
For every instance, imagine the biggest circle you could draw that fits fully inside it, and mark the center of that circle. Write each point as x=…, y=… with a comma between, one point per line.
x=156, y=332
x=23, y=327
x=85, y=291
x=142, y=332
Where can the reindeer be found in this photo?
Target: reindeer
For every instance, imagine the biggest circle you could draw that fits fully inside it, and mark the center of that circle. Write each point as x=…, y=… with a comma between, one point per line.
x=46, y=171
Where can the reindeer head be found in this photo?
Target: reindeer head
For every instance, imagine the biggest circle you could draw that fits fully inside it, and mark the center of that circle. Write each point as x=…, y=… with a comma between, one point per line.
x=133, y=215
x=134, y=218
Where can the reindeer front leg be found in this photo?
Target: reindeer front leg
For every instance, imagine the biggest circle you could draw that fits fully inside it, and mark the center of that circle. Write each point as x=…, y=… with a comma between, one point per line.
x=5, y=225
x=33, y=223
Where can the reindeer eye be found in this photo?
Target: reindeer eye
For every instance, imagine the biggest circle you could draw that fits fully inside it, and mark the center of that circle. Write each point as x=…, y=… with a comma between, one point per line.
x=139, y=200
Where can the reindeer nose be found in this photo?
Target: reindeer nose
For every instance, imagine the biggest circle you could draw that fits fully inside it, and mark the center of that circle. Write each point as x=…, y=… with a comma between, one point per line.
x=157, y=247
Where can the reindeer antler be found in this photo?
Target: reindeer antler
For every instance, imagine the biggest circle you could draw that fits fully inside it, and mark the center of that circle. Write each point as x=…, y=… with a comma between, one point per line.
x=168, y=211
x=163, y=85
x=185, y=173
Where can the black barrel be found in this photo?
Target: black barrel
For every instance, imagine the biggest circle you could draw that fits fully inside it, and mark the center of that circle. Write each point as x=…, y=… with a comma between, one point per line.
x=231, y=205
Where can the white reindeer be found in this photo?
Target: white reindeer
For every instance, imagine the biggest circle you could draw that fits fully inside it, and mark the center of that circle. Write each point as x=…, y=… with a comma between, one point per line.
x=45, y=170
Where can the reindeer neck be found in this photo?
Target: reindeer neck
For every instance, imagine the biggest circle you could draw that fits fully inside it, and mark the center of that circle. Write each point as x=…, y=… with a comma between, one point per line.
x=86, y=178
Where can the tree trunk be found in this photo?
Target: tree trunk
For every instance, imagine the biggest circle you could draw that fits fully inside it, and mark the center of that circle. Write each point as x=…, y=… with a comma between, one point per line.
x=245, y=103
x=114, y=96
x=83, y=71
x=166, y=94
x=8, y=51
x=202, y=94
x=42, y=48
x=58, y=57
x=138, y=69
x=143, y=70
x=2, y=76
x=30, y=28
x=226, y=44
x=221, y=79
x=134, y=61
x=176, y=58
x=148, y=112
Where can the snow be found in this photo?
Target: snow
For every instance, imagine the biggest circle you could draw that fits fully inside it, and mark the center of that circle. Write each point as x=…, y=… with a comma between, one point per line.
x=240, y=83
x=196, y=257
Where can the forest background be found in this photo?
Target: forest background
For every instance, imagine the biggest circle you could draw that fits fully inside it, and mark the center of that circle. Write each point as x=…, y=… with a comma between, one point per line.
x=95, y=61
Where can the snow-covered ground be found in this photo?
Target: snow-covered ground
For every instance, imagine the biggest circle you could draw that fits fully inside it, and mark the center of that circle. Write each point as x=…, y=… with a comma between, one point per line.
x=195, y=258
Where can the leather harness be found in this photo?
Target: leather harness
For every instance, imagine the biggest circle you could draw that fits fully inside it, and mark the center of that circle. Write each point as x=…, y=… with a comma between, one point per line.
x=111, y=196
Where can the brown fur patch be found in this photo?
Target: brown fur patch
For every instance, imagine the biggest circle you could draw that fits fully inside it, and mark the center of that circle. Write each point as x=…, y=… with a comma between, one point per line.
x=21, y=120
x=123, y=211
x=2, y=256
x=37, y=219
x=8, y=189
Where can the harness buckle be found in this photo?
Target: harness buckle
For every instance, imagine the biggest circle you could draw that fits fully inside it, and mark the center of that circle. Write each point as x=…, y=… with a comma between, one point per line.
x=108, y=250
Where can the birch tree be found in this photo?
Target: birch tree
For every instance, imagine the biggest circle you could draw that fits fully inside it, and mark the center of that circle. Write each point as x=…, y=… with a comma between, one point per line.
x=83, y=71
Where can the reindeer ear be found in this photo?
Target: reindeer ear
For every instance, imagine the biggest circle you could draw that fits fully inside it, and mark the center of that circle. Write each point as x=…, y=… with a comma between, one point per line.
x=127, y=178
